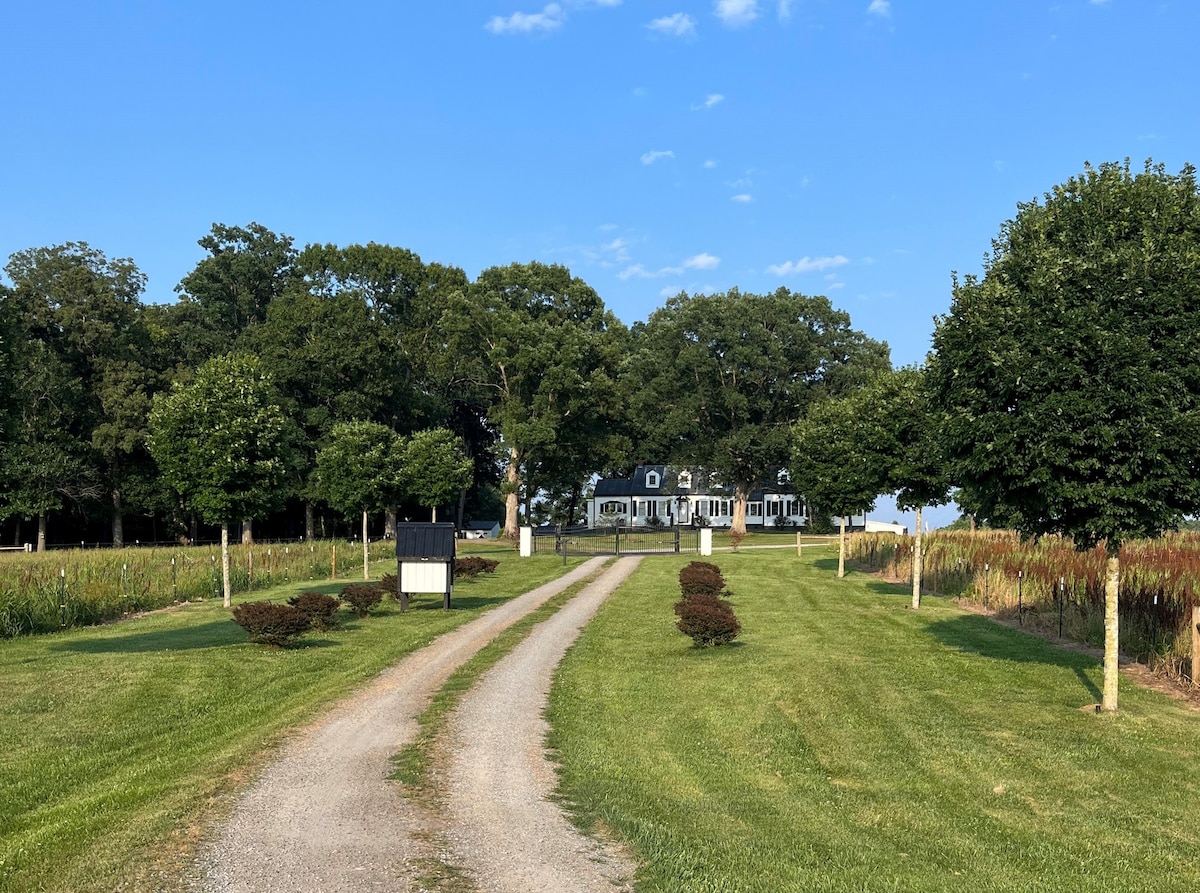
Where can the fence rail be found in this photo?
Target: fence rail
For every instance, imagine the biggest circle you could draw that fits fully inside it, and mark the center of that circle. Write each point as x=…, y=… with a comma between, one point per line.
x=617, y=540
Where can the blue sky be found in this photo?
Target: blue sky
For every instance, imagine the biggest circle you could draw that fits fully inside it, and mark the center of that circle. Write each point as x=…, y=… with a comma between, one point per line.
x=861, y=149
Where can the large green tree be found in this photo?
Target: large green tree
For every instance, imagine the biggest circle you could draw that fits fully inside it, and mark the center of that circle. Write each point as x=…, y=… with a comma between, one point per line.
x=436, y=469
x=359, y=470
x=908, y=434
x=539, y=347
x=85, y=310
x=1070, y=372
x=838, y=460
x=230, y=289
x=224, y=444
x=718, y=380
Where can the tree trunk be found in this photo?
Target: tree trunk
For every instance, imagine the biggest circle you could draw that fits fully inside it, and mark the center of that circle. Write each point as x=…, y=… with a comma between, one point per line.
x=17, y=533
x=248, y=532
x=310, y=521
x=512, y=480
x=917, y=564
x=390, y=523
x=433, y=515
x=841, y=547
x=41, y=546
x=740, y=498
x=226, y=585
x=118, y=522
x=971, y=518
x=1112, y=578
x=366, y=553
x=462, y=507
x=573, y=505
x=194, y=528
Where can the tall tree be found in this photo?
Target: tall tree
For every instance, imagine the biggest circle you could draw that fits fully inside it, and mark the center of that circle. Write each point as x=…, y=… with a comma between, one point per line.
x=85, y=308
x=542, y=349
x=718, y=380
x=230, y=290
x=910, y=439
x=223, y=443
x=359, y=470
x=1070, y=373
x=837, y=461
x=436, y=469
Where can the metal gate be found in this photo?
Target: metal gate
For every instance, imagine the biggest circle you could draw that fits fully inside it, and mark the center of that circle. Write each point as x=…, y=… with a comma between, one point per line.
x=618, y=540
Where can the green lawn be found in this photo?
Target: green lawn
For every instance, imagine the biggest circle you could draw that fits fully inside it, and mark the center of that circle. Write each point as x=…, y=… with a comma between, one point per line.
x=849, y=743
x=117, y=743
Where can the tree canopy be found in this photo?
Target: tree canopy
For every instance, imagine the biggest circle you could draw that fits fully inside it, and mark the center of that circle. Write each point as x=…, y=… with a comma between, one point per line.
x=719, y=380
x=1069, y=373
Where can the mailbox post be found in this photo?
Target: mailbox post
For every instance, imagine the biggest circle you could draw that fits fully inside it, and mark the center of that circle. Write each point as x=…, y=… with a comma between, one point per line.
x=424, y=561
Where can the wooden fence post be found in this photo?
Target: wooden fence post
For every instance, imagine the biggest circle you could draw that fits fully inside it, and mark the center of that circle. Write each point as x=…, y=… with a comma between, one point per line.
x=1195, y=644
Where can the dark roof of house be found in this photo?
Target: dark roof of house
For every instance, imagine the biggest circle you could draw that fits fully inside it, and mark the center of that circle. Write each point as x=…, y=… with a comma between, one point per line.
x=701, y=484
x=481, y=525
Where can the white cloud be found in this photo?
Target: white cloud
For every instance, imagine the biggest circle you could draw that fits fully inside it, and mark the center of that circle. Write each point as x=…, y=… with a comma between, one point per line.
x=639, y=271
x=618, y=248
x=550, y=18
x=737, y=12
x=678, y=25
x=702, y=261
x=742, y=197
x=882, y=8
x=709, y=101
x=710, y=164
x=807, y=265
x=785, y=10
x=654, y=155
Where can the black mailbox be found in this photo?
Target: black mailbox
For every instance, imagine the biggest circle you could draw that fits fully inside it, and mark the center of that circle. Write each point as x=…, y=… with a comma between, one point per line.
x=424, y=560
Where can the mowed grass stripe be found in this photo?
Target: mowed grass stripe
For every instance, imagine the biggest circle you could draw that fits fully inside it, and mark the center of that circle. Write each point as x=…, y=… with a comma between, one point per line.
x=850, y=743
x=118, y=742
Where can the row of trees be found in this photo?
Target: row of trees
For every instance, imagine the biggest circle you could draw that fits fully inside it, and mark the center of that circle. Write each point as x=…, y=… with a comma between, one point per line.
x=541, y=386
x=1062, y=395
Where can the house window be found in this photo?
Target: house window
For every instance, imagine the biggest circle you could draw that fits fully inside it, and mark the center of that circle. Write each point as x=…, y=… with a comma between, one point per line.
x=726, y=508
x=754, y=509
x=634, y=504
x=652, y=480
x=685, y=479
x=612, y=508
x=774, y=506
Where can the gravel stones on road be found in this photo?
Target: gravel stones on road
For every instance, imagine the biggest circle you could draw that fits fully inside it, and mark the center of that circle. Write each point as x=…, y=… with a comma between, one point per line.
x=504, y=828
x=324, y=818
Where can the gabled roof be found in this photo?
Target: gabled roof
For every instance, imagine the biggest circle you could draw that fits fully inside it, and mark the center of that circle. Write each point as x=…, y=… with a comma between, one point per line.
x=703, y=483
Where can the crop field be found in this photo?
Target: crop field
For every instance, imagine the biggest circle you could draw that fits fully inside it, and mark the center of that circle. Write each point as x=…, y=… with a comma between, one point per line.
x=845, y=742
x=1036, y=582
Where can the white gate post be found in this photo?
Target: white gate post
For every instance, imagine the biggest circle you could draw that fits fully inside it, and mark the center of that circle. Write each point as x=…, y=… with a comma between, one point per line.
x=526, y=542
x=705, y=540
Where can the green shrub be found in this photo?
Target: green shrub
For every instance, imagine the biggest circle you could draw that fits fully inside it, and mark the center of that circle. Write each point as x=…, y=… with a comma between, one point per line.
x=321, y=609
x=271, y=624
x=708, y=620
x=361, y=597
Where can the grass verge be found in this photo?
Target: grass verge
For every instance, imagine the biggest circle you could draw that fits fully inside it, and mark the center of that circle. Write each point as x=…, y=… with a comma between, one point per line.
x=118, y=743
x=849, y=743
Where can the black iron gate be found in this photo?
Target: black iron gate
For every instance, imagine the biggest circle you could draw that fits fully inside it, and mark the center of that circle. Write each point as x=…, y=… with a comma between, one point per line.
x=617, y=540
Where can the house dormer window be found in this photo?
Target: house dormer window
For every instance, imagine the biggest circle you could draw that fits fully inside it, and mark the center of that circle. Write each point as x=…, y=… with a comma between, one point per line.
x=652, y=480
x=685, y=479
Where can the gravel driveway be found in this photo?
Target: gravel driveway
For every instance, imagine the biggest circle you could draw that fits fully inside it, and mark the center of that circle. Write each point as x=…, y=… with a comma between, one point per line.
x=503, y=828
x=324, y=818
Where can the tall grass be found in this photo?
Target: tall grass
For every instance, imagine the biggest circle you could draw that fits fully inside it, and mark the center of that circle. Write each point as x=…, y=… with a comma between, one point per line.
x=60, y=590
x=1040, y=582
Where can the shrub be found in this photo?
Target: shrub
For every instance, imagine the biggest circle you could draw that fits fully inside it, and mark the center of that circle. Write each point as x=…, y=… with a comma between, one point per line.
x=361, y=597
x=387, y=585
x=708, y=620
x=699, y=578
x=473, y=565
x=320, y=608
x=271, y=624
